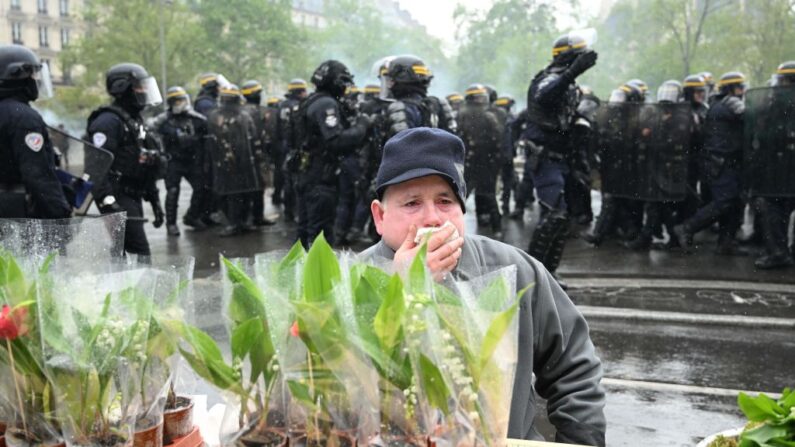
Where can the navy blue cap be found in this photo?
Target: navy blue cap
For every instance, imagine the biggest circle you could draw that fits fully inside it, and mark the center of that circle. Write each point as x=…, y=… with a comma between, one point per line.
x=419, y=152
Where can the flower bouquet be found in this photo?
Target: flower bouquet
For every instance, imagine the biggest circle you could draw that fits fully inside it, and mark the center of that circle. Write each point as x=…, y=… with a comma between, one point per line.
x=94, y=334
x=25, y=391
x=771, y=422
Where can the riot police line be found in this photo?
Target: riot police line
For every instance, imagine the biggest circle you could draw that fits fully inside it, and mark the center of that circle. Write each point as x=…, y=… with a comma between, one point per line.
x=666, y=170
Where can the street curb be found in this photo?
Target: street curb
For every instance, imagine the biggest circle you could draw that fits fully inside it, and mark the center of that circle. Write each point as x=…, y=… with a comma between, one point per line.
x=644, y=283
x=602, y=313
x=680, y=388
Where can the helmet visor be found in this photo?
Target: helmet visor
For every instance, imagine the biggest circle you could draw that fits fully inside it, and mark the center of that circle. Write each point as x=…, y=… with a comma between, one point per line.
x=147, y=88
x=668, y=93
x=618, y=96
x=44, y=81
x=222, y=81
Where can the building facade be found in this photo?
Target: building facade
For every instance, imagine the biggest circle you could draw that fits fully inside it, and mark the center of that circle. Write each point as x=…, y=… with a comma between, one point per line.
x=44, y=26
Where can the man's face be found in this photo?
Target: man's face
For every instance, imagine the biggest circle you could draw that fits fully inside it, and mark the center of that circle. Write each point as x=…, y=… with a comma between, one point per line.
x=424, y=202
x=699, y=96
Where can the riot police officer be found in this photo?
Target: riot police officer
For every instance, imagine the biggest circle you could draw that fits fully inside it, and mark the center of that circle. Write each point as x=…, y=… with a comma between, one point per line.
x=29, y=186
x=482, y=133
x=524, y=186
x=207, y=99
x=265, y=123
x=407, y=79
x=695, y=92
x=551, y=106
x=578, y=181
x=324, y=137
x=285, y=175
x=617, y=212
x=776, y=211
x=507, y=173
x=184, y=134
x=642, y=87
x=138, y=160
x=235, y=177
x=455, y=100
x=723, y=141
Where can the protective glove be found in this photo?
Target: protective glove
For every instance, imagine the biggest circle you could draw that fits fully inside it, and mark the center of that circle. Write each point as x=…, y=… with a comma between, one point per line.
x=108, y=205
x=160, y=216
x=582, y=64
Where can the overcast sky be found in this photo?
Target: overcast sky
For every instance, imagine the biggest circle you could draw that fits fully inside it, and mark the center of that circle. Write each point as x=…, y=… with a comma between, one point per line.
x=437, y=15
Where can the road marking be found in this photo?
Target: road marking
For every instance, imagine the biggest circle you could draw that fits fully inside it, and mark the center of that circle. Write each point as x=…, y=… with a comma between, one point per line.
x=639, y=283
x=600, y=312
x=675, y=387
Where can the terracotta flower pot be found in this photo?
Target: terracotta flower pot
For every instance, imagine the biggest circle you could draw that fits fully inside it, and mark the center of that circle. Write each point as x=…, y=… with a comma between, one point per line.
x=193, y=439
x=15, y=437
x=178, y=422
x=148, y=432
x=266, y=438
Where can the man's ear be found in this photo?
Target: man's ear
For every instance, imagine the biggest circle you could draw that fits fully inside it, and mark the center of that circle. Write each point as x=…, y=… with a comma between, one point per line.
x=377, y=210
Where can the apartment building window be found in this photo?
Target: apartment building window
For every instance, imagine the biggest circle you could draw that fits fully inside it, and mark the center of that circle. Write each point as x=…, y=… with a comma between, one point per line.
x=15, y=5
x=16, y=32
x=64, y=37
x=44, y=40
x=64, y=7
x=42, y=5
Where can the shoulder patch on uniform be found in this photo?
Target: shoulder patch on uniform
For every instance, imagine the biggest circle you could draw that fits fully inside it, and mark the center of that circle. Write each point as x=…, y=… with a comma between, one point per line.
x=99, y=139
x=34, y=141
x=331, y=118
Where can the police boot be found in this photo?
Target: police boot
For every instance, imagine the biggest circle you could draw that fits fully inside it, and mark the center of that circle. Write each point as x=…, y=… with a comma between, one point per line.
x=172, y=229
x=727, y=246
x=496, y=225
x=549, y=239
x=642, y=242
x=517, y=213
x=775, y=261
x=506, y=207
x=604, y=223
x=172, y=199
x=197, y=224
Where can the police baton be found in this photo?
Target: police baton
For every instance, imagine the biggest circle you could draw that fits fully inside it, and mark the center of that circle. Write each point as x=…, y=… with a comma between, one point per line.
x=129, y=219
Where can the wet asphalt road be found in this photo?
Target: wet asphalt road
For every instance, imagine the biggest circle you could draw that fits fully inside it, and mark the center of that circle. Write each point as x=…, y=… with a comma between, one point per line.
x=679, y=335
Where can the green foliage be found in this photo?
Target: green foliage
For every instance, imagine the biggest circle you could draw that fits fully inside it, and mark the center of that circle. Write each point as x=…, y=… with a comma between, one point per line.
x=776, y=420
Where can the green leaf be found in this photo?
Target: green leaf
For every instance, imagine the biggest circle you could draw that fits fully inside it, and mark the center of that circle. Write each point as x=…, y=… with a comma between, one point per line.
x=388, y=322
x=760, y=408
x=301, y=392
x=244, y=336
x=247, y=300
x=495, y=296
x=207, y=360
x=418, y=273
x=321, y=271
x=496, y=331
x=764, y=434
x=433, y=385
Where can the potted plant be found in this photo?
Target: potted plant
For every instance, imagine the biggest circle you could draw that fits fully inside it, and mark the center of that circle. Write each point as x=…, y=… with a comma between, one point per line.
x=252, y=378
x=24, y=386
x=771, y=422
x=95, y=334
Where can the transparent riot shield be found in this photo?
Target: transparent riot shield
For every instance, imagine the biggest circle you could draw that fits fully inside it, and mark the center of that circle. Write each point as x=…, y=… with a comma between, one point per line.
x=769, y=146
x=89, y=165
x=664, y=143
x=618, y=127
x=230, y=149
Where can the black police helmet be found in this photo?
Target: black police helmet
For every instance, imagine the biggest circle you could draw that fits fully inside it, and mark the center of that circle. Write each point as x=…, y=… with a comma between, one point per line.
x=492, y=93
x=17, y=63
x=692, y=84
x=729, y=81
x=332, y=77
x=252, y=91
x=296, y=85
x=121, y=78
x=785, y=73
x=208, y=80
x=505, y=101
x=477, y=93
x=567, y=47
x=409, y=70
x=176, y=93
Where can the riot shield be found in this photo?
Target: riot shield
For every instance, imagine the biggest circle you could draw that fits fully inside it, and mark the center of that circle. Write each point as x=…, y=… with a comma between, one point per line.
x=618, y=127
x=89, y=165
x=231, y=152
x=769, y=146
x=643, y=149
x=665, y=142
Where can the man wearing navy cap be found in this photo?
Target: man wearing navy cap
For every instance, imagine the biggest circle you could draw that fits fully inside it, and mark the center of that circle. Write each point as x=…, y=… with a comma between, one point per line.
x=420, y=184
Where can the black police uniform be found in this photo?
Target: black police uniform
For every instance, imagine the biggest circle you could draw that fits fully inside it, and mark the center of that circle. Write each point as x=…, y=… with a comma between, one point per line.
x=370, y=159
x=482, y=130
x=723, y=143
x=286, y=148
x=134, y=171
x=348, y=180
x=524, y=187
x=206, y=101
x=327, y=139
x=417, y=110
x=184, y=138
x=265, y=119
x=29, y=186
